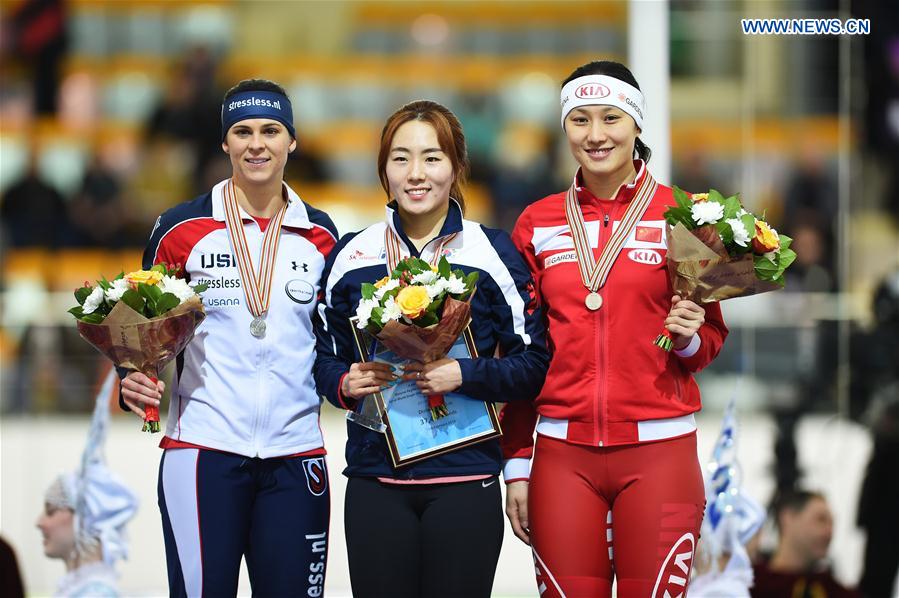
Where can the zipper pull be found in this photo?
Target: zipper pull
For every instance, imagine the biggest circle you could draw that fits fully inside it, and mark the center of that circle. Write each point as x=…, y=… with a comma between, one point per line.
x=605, y=220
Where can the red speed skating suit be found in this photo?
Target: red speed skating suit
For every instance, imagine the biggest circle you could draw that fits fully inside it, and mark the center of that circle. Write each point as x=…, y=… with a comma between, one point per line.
x=616, y=453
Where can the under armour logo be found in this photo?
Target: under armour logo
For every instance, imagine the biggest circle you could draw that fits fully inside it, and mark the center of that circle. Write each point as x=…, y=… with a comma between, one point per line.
x=303, y=265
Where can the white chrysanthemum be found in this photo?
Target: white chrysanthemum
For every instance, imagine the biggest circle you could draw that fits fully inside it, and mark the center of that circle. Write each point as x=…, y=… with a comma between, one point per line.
x=706, y=212
x=425, y=278
x=119, y=286
x=741, y=235
x=363, y=312
x=392, y=311
x=741, y=212
x=93, y=300
x=177, y=287
x=455, y=285
x=389, y=286
x=434, y=289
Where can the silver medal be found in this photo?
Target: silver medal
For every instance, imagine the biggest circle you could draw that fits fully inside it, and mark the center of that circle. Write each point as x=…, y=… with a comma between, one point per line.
x=593, y=301
x=257, y=327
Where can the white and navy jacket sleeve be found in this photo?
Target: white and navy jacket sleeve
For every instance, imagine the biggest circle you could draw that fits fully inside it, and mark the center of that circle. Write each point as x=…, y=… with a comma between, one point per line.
x=334, y=341
x=505, y=309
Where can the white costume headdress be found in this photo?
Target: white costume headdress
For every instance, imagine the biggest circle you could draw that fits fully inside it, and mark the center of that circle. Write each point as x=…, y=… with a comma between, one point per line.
x=102, y=503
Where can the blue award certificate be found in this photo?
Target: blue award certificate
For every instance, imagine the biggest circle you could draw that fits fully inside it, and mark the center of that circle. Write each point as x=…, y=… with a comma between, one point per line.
x=412, y=434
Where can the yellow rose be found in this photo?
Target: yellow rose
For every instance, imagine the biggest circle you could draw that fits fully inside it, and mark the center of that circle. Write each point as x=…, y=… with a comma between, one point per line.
x=766, y=238
x=382, y=282
x=698, y=197
x=150, y=277
x=413, y=301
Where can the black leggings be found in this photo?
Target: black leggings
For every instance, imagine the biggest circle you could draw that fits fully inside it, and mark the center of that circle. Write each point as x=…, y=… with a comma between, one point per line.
x=424, y=540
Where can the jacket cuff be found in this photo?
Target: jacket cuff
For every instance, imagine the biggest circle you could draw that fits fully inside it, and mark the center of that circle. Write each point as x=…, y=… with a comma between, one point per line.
x=345, y=402
x=691, y=348
x=517, y=470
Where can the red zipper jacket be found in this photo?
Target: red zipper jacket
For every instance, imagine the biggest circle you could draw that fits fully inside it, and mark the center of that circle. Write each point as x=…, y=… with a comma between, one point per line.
x=607, y=383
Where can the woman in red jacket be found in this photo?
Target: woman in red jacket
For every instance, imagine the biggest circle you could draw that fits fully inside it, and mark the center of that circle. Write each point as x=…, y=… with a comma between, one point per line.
x=615, y=490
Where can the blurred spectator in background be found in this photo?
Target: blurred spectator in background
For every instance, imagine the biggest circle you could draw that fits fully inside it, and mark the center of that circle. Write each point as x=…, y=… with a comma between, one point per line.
x=189, y=113
x=797, y=568
x=875, y=383
x=10, y=578
x=33, y=212
x=810, y=209
x=36, y=35
x=812, y=272
x=692, y=173
x=97, y=212
x=522, y=159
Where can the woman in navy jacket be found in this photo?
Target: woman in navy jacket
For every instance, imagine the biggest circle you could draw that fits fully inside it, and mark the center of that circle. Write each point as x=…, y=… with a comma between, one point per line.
x=433, y=528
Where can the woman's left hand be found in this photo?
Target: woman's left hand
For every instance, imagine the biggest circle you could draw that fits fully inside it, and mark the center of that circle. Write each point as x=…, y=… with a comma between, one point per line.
x=435, y=378
x=683, y=321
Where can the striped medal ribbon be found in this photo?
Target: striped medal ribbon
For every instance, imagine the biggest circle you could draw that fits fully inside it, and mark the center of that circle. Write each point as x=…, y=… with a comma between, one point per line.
x=393, y=247
x=594, y=273
x=257, y=288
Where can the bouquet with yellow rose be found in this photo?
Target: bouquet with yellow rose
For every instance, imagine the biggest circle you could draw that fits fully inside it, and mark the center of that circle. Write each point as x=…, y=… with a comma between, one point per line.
x=140, y=320
x=718, y=250
x=418, y=312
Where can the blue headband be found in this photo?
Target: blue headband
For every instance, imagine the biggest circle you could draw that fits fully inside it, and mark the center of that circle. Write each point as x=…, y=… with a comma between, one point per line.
x=257, y=104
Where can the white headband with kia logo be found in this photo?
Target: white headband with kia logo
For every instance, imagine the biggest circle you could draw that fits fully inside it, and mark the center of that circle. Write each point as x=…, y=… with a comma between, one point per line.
x=593, y=90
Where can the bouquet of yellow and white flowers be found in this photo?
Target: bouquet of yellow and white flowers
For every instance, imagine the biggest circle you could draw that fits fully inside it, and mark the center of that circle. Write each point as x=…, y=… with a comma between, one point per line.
x=718, y=250
x=140, y=320
x=418, y=312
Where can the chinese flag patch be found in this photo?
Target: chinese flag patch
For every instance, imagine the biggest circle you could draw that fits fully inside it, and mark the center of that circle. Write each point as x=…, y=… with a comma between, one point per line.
x=649, y=234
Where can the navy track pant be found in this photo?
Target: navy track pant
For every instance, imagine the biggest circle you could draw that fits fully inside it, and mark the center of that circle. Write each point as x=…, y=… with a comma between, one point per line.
x=217, y=507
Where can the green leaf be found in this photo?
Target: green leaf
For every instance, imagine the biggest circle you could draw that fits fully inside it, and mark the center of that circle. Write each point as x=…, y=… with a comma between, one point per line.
x=368, y=290
x=683, y=200
x=715, y=195
x=785, y=257
x=765, y=269
x=437, y=303
x=160, y=268
x=420, y=265
x=150, y=292
x=748, y=221
x=166, y=302
x=785, y=242
x=731, y=207
x=428, y=319
x=376, y=314
x=104, y=284
x=93, y=318
x=77, y=311
x=132, y=299
x=200, y=287
x=682, y=215
x=82, y=294
x=119, y=276
x=726, y=232
x=443, y=267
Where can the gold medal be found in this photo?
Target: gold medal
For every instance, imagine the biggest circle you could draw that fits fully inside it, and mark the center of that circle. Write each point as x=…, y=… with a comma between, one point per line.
x=593, y=301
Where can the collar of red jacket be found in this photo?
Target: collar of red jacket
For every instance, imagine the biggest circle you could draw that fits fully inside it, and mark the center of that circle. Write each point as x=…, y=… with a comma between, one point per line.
x=625, y=192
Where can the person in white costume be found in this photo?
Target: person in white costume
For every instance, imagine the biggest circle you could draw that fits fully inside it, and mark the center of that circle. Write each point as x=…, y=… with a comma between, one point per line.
x=85, y=515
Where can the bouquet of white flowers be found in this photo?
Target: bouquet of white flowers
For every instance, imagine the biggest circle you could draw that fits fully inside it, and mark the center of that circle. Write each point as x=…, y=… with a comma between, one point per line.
x=418, y=312
x=140, y=320
x=718, y=250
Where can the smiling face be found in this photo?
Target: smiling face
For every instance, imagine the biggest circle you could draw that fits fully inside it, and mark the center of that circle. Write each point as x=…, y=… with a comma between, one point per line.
x=601, y=139
x=57, y=527
x=258, y=148
x=419, y=174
